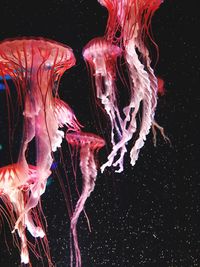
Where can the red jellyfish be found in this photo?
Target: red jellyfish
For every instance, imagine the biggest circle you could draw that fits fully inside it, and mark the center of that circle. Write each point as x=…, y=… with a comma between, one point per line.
x=88, y=145
x=35, y=66
x=128, y=25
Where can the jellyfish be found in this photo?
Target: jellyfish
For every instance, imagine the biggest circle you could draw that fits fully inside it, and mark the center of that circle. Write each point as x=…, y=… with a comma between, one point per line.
x=127, y=27
x=65, y=116
x=88, y=144
x=35, y=65
x=101, y=56
x=15, y=194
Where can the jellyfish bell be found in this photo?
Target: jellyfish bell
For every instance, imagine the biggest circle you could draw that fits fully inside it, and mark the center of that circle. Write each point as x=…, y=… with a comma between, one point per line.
x=80, y=139
x=88, y=144
x=101, y=55
x=34, y=64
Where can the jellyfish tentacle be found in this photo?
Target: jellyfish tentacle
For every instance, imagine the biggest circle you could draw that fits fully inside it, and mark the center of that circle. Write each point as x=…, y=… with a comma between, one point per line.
x=28, y=135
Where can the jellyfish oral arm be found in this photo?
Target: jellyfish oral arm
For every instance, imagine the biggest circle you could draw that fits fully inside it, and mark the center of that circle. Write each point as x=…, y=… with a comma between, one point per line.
x=34, y=230
x=28, y=135
x=140, y=91
x=24, y=247
x=109, y=101
x=89, y=172
x=34, y=190
x=18, y=203
x=146, y=94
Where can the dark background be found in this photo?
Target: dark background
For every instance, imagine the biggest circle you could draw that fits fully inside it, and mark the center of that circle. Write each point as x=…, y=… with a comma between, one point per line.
x=149, y=214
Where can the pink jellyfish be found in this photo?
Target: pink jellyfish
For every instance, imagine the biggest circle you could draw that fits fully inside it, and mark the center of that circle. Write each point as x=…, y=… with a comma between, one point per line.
x=15, y=193
x=102, y=56
x=35, y=66
x=128, y=25
x=88, y=144
x=65, y=116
